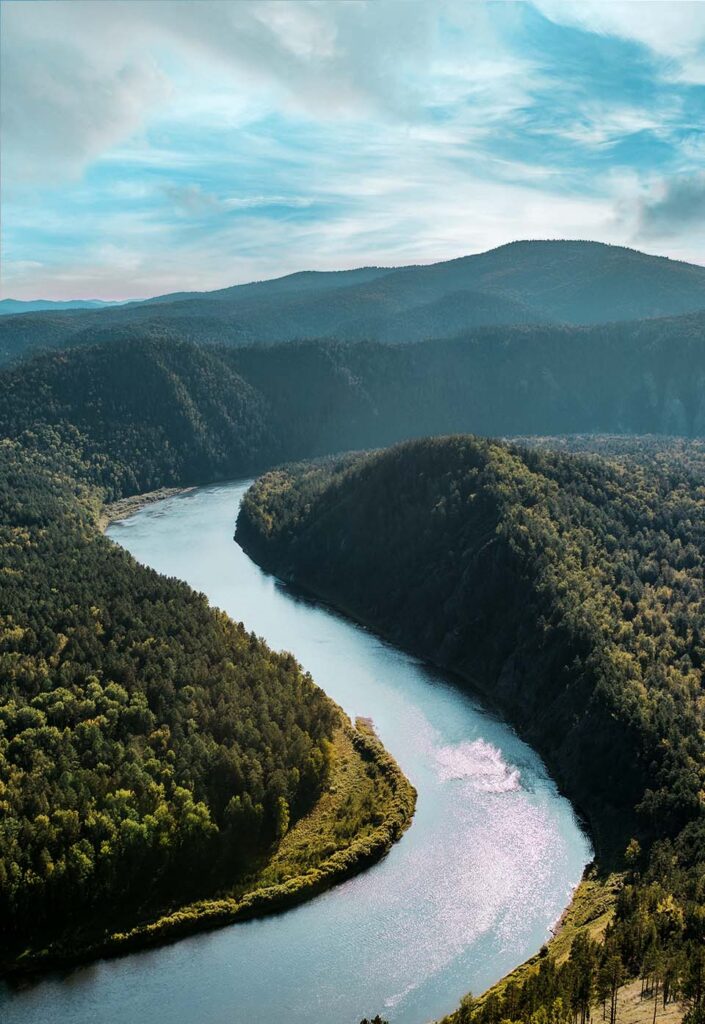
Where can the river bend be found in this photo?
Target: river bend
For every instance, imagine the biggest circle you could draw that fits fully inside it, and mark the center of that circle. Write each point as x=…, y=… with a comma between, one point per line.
x=470, y=891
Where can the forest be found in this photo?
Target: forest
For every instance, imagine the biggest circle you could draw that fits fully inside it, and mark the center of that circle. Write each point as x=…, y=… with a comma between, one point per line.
x=562, y=575
x=569, y=587
x=148, y=412
x=150, y=748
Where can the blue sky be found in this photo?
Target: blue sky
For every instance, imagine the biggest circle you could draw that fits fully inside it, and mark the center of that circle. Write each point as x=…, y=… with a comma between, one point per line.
x=154, y=146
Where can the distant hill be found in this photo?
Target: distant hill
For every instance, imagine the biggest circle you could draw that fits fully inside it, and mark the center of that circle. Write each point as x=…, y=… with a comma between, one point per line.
x=517, y=284
x=10, y=307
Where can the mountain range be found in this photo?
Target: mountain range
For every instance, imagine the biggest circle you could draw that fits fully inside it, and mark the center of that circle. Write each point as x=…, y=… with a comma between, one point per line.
x=11, y=307
x=528, y=282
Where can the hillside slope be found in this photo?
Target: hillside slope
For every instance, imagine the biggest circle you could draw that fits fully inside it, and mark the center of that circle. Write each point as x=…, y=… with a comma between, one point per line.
x=143, y=415
x=154, y=755
x=525, y=282
x=569, y=590
x=151, y=413
x=151, y=750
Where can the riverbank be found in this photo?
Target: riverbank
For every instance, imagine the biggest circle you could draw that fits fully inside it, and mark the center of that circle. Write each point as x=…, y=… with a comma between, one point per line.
x=126, y=507
x=366, y=808
x=593, y=901
x=590, y=911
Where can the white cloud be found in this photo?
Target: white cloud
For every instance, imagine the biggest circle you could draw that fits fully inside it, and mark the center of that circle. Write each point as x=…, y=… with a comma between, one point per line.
x=376, y=218
x=671, y=28
x=63, y=105
x=671, y=206
x=80, y=77
x=194, y=201
x=235, y=141
x=601, y=124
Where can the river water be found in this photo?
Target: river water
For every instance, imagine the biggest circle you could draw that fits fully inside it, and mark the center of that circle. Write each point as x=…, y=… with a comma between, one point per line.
x=470, y=891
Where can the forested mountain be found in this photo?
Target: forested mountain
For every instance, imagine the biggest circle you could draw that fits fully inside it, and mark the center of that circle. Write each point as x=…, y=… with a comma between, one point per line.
x=157, y=412
x=528, y=282
x=570, y=589
x=642, y=377
x=589, y=613
x=570, y=281
x=144, y=415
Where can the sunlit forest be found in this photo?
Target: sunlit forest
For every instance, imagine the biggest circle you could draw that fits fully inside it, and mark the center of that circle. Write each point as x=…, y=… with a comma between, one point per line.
x=150, y=748
x=352, y=512
x=144, y=734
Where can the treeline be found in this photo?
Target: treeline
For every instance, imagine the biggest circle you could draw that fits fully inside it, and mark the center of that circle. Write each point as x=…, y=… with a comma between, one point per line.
x=571, y=589
x=526, y=282
x=151, y=751
x=628, y=378
x=153, y=412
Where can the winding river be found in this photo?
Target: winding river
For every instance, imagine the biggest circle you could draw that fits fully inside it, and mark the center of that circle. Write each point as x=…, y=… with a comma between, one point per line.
x=470, y=891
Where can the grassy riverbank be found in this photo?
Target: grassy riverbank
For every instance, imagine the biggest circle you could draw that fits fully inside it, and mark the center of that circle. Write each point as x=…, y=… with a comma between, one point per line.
x=590, y=913
x=366, y=807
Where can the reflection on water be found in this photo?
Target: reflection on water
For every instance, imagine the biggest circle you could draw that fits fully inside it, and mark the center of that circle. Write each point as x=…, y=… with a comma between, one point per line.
x=471, y=890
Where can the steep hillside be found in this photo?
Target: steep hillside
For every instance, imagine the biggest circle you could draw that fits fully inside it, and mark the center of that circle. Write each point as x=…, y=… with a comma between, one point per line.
x=151, y=750
x=570, y=590
x=509, y=565
x=155, y=412
x=642, y=377
x=155, y=757
x=144, y=415
x=521, y=283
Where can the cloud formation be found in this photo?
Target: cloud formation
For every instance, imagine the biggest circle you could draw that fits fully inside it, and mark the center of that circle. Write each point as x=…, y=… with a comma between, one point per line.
x=64, y=103
x=154, y=145
x=668, y=27
x=674, y=204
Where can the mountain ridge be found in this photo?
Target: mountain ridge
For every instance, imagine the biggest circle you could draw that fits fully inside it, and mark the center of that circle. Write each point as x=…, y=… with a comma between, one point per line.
x=524, y=282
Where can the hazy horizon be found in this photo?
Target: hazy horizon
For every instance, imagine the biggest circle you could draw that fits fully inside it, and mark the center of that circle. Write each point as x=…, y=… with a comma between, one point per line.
x=312, y=269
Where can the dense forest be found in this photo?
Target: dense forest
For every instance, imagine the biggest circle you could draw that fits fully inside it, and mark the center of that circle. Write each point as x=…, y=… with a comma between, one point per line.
x=153, y=412
x=570, y=588
x=150, y=748
x=529, y=282
x=143, y=415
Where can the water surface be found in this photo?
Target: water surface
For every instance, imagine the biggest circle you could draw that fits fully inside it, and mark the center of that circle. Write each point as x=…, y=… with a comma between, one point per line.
x=470, y=891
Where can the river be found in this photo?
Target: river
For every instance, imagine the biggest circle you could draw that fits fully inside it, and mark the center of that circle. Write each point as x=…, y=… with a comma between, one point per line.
x=470, y=891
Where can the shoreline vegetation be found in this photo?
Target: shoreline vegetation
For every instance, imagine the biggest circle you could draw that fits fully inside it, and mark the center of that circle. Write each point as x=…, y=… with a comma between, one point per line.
x=346, y=803
x=592, y=903
x=593, y=900
x=556, y=586
x=365, y=779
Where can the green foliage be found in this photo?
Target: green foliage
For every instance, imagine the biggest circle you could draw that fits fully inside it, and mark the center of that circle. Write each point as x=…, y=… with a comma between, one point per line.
x=571, y=588
x=150, y=748
x=338, y=838
x=138, y=416
x=150, y=412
